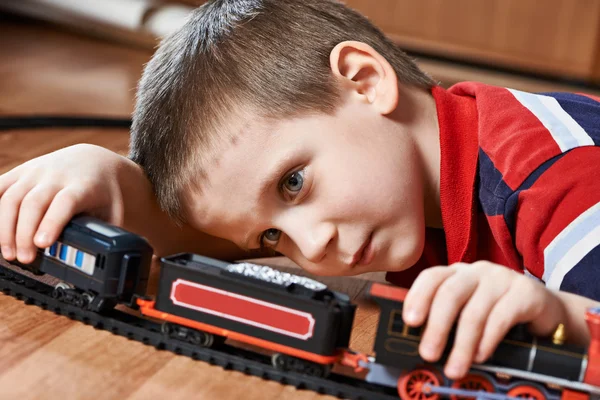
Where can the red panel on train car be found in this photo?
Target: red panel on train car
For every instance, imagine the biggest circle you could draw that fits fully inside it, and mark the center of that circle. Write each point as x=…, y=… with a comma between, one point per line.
x=389, y=292
x=233, y=306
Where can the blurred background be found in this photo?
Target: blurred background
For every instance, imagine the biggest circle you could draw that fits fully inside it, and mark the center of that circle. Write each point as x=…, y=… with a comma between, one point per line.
x=84, y=57
x=554, y=41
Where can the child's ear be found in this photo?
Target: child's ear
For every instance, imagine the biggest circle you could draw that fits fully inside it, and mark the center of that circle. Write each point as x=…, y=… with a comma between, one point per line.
x=367, y=73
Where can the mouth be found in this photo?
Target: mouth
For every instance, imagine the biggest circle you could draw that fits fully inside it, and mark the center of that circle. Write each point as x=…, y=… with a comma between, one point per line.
x=365, y=253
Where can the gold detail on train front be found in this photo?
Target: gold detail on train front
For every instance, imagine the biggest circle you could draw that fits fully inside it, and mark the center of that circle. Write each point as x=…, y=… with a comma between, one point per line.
x=559, y=335
x=503, y=376
x=554, y=386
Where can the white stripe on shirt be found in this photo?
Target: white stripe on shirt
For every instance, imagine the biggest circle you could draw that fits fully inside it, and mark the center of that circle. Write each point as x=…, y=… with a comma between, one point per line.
x=567, y=133
x=571, y=245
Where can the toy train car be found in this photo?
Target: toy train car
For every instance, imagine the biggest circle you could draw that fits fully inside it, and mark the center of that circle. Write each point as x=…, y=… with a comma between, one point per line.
x=302, y=323
x=306, y=325
x=100, y=265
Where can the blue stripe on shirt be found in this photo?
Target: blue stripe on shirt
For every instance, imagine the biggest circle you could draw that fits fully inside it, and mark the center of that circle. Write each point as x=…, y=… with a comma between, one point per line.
x=583, y=279
x=492, y=188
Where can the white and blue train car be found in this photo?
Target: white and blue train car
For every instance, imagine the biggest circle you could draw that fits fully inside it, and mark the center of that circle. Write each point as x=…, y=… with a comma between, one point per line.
x=73, y=257
x=107, y=263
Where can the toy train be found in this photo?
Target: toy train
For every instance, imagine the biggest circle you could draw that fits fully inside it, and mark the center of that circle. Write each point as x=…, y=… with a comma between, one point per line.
x=301, y=322
x=100, y=265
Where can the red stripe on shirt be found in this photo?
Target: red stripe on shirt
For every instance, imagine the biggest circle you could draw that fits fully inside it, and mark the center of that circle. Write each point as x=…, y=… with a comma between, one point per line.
x=566, y=190
x=511, y=135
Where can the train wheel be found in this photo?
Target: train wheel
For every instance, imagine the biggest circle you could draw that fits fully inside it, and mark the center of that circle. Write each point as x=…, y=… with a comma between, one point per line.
x=58, y=293
x=79, y=302
x=410, y=386
x=317, y=370
x=472, y=382
x=287, y=363
x=526, y=391
x=166, y=329
x=60, y=290
x=87, y=299
x=193, y=336
x=279, y=362
x=201, y=338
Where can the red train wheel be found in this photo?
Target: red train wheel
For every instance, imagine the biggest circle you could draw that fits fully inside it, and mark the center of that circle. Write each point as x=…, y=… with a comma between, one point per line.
x=410, y=386
x=472, y=382
x=526, y=391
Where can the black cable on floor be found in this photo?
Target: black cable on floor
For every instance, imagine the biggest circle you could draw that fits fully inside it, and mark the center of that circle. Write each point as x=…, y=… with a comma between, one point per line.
x=46, y=121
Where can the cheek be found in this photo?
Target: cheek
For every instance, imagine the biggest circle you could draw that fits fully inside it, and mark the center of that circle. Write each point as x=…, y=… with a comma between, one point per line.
x=406, y=252
x=367, y=187
x=391, y=191
x=381, y=166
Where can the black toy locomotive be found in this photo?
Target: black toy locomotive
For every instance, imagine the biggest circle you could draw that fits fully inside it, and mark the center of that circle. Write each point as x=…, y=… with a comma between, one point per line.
x=521, y=366
x=303, y=324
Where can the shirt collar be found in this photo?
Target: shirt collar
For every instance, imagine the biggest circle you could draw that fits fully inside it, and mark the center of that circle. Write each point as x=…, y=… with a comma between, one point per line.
x=458, y=124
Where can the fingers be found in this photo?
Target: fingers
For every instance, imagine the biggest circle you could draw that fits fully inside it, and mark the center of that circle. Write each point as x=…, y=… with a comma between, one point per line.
x=33, y=216
x=449, y=299
x=418, y=299
x=489, y=298
x=33, y=207
x=10, y=202
x=39, y=197
x=7, y=180
x=65, y=204
x=520, y=303
x=471, y=324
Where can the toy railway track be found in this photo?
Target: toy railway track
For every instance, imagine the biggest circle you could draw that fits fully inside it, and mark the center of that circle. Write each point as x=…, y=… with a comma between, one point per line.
x=33, y=292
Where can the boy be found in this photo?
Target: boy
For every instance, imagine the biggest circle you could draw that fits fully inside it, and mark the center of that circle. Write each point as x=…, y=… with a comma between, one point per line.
x=297, y=126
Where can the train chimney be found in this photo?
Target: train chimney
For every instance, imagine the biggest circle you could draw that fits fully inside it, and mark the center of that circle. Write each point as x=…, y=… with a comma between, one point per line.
x=592, y=373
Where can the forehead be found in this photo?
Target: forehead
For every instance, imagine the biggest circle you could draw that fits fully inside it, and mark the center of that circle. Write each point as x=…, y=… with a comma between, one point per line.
x=226, y=202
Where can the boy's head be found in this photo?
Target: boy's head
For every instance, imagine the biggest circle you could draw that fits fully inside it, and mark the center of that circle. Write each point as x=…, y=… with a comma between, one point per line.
x=261, y=120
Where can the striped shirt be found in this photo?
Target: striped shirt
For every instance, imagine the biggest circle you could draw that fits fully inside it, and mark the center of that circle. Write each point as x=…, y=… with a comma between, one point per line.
x=519, y=185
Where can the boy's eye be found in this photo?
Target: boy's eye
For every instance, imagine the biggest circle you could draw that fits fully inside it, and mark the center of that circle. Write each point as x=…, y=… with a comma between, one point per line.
x=293, y=183
x=271, y=236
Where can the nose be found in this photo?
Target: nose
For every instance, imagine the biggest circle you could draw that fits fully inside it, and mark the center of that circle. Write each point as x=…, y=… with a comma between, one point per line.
x=312, y=238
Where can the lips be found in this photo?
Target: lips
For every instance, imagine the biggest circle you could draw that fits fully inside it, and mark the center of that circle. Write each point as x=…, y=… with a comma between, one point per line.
x=364, y=253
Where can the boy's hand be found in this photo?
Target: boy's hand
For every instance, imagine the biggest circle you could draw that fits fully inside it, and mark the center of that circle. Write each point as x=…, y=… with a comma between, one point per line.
x=39, y=197
x=488, y=300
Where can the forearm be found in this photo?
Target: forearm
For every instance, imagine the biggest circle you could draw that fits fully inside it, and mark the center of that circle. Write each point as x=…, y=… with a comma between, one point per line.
x=143, y=216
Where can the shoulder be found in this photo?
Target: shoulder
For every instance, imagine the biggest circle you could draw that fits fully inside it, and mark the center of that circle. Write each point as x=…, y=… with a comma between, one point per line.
x=520, y=131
